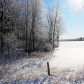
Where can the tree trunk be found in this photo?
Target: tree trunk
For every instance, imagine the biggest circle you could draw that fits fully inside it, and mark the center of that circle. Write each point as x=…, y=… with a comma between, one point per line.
x=58, y=41
x=33, y=28
x=26, y=27
x=1, y=29
x=1, y=44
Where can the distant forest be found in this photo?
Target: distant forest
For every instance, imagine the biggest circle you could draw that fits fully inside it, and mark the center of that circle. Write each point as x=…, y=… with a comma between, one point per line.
x=76, y=39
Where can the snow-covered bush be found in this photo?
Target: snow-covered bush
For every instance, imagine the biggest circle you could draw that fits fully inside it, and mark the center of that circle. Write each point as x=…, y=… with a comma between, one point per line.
x=43, y=46
x=47, y=47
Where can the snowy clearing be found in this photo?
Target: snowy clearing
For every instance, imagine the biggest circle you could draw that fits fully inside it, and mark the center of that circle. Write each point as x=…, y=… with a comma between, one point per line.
x=69, y=55
x=63, y=63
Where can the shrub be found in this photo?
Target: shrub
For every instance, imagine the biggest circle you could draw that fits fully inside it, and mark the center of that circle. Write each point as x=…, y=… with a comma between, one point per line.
x=43, y=46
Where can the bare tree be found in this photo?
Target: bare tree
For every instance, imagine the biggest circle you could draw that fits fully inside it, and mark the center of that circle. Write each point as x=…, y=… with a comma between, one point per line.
x=54, y=23
x=60, y=28
x=50, y=23
x=36, y=21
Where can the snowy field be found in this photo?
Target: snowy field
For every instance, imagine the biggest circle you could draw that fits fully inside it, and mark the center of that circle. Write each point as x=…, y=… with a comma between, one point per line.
x=69, y=54
x=66, y=66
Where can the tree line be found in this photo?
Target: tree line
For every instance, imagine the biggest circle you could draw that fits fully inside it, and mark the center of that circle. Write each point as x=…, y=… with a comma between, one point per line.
x=76, y=39
x=25, y=24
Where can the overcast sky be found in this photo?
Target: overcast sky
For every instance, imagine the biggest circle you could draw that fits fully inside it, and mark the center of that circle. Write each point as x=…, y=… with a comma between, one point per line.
x=74, y=22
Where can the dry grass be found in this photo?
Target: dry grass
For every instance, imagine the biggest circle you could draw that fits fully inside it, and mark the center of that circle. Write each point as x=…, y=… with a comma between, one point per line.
x=25, y=73
x=4, y=70
x=12, y=71
x=36, y=54
x=56, y=82
x=36, y=72
x=67, y=74
x=1, y=73
x=78, y=78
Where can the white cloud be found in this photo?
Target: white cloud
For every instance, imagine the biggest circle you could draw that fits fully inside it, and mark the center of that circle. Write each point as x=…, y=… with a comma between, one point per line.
x=76, y=5
x=76, y=1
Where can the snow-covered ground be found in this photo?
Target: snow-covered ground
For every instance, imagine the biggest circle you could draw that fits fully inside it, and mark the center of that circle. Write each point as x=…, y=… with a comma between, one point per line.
x=64, y=63
x=69, y=54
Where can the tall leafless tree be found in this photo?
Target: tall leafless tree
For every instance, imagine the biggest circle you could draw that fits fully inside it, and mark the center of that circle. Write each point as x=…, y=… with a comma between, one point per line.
x=36, y=20
x=60, y=28
x=53, y=20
